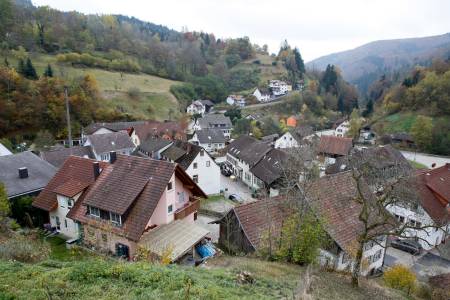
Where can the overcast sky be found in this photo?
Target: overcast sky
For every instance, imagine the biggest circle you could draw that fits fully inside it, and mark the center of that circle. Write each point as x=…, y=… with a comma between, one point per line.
x=317, y=27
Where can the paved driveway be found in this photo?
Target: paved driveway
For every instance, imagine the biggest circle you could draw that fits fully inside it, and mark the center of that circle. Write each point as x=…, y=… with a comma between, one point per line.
x=236, y=187
x=424, y=265
x=426, y=159
x=213, y=229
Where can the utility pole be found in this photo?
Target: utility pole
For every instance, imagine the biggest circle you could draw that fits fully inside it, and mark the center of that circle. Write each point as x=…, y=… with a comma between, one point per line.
x=69, y=128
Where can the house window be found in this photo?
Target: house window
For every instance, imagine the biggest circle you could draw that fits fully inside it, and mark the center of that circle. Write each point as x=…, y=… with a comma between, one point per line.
x=208, y=163
x=70, y=203
x=170, y=209
x=104, y=157
x=195, y=178
x=195, y=165
x=65, y=223
x=345, y=258
x=58, y=223
x=169, y=186
x=202, y=152
x=94, y=211
x=115, y=218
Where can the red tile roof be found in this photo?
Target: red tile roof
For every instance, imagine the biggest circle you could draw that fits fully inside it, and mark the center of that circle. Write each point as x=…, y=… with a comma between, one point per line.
x=75, y=173
x=132, y=186
x=434, y=191
x=332, y=198
x=256, y=217
x=333, y=145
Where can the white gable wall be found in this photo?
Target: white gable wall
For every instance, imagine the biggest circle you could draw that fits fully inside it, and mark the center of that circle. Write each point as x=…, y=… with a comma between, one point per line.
x=72, y=229
x=208, y=173
x=286, y=141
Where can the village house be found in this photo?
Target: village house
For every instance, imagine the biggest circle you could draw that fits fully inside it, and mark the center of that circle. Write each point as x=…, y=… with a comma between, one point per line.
x=101, y=128
x=342, y=129
x=270, y=139
x=152, y=147
x=214, y=121
x=59, y=196
x=212, y=140
x=279, y=88
x=200, y=107
x=58, y=155
x=197, y=163
x=432, y=209
x=242, y=228
x=261, y=95
x=4, y=151
x=331, y=198
x=24, y=174
x=236, y=100
x=331, y=147
x=103, y=144
x=243, y=154
x=293, y=138
x=131, y=202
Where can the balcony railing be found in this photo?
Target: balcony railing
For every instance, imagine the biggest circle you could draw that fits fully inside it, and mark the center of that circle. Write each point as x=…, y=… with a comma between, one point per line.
x=192, y=206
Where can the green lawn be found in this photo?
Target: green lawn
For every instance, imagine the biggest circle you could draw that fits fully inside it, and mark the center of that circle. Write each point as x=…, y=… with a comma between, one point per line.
x=417, y=165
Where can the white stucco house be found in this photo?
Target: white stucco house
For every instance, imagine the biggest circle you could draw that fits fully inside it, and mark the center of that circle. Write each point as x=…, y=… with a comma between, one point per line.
x=212, y=140
x=261, y=96
x=197, y=163
x=199, y=107
x=432, y=209
x=342, y=129
x=279, y=87
x=103, y=144
x=214, y=121
x=236, y=100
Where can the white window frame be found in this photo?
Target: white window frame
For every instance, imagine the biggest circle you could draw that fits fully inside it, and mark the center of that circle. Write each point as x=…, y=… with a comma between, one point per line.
x=93, y=210
x=116, y=219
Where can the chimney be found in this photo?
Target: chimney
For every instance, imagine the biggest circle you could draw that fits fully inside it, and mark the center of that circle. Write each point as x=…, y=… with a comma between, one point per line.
x=23, y=172
x=112, y=157
x=96, y=166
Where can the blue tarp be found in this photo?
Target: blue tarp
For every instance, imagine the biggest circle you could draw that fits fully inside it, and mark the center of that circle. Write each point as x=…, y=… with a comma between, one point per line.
x=206, y=250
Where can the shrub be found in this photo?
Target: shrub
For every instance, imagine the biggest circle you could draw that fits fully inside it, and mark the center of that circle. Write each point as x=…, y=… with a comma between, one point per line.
x=24, y=249
x=400, y=277
x=134, y=93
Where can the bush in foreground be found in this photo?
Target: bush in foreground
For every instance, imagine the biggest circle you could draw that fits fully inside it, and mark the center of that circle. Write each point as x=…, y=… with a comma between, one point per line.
x=400, y=277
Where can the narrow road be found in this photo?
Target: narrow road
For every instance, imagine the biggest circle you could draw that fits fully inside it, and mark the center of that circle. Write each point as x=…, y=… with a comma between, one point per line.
x=426, y=159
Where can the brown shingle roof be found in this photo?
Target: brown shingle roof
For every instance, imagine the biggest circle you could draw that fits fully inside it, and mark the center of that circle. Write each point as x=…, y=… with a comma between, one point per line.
x=434, y=191
x=441, y=281
x=256, y=217
x=334, y=145
x=71, y=188
x=270, y=167
x=332, y=198
x=75, y=169
x=134, y=186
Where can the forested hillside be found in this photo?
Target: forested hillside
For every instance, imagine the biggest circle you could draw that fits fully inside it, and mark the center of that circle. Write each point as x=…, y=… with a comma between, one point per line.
x=419, y=105
x=365, y=64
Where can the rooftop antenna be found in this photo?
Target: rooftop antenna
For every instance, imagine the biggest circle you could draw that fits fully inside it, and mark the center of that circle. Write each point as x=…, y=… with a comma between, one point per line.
x=69, y=128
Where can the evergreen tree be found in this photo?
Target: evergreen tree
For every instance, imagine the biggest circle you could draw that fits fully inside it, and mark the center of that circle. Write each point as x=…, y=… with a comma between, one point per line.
x=329, y=79
x=30, y=71
x=341, y=106
x=299, y=62
x=21, y=67
x=6, y=62
x=48, y=71
x=369, y=108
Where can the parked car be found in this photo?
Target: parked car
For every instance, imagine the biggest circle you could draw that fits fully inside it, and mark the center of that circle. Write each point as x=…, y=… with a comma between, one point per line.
x=409, y=246
x=226, y=172
x=236, y=198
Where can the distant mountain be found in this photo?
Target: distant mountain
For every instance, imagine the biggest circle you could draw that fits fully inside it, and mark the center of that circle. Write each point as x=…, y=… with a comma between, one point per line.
x=362, y=65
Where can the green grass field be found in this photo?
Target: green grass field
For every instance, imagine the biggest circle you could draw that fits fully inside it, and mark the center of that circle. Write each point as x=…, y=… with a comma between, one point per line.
x=115, y=85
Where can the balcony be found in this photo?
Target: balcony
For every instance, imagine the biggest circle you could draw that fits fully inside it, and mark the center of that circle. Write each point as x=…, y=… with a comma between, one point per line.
x=192, y=206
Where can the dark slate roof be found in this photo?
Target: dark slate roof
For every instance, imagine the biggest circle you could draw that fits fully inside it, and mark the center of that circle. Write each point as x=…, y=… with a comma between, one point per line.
x=378, y=158
x=270, y=167
x=332, y=198
x=154, y=144
x=131, y=185
x=183, y=153
x=300, y=132
x=207, y=102
x=248, y=149
x=74, y=176
x=113, y=126
x=56, y=157
x=211, y=120
x=102, y=143
x=213, y=136
x=270, y=138
x=256, y=217
x=39, y=173
x=434, y=193
x=334, y=145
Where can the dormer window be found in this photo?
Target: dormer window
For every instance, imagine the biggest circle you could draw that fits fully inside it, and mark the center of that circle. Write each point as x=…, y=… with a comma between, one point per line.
x=70, y=203
x=116, y=219
x=94, y=212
